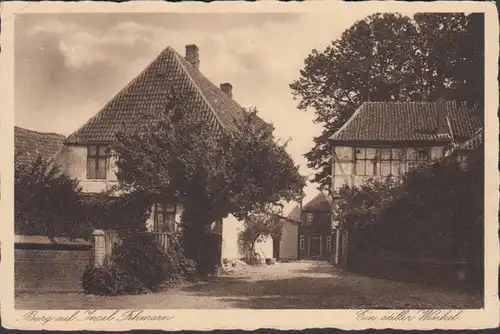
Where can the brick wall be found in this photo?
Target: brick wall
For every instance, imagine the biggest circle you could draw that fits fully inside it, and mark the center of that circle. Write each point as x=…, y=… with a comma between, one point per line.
x=43, y=265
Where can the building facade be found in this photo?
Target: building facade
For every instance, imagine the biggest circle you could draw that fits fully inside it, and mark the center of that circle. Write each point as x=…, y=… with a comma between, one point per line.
x=384, y=139
x=86, y=154
x=315, y=230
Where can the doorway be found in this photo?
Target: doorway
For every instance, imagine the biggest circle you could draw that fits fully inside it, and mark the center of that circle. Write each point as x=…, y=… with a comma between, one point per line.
x=315, y=246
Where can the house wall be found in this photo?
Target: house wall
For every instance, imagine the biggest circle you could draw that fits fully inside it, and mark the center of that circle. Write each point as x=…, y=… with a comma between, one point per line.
x=231, y=247
x=318, y=227
x=73, y=162
x=289, y=247
x=344, y=171
x=41, y=265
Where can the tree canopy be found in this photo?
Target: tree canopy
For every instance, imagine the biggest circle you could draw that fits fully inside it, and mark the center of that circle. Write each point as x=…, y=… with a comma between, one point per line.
x=258, y=226
x=47, y=202
x=390, y=57
x=182, y=156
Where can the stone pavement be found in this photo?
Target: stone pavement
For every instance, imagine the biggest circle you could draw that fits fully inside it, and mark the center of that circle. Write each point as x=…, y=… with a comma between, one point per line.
x=294, y=285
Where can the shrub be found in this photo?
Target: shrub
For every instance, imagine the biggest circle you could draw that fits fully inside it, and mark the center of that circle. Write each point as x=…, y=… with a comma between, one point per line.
x=188, y=269
x=139, y=266
x=127, y=213
x=139, y=256
x=98, y=281
x=110, y=280
x=47, y=202
x=436, y=211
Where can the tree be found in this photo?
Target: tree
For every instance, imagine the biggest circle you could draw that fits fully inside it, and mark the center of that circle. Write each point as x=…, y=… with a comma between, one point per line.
x=47, y=202
x=258, y=226
x=361, y=206
x=389, y=57
x=179, y=154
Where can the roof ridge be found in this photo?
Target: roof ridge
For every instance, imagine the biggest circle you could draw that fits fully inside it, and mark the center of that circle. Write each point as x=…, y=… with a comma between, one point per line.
x=39, y=132
x=198, y=89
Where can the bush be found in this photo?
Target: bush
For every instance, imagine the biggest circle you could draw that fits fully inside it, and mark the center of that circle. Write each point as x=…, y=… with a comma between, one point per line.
x=139, y=266
x=47, y=202
x=141, y=258
x=436, y=211
x=98, y=281
x=110, y=280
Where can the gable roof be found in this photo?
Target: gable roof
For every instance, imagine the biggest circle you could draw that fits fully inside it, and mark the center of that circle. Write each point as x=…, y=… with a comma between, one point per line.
x=150, y=92
x=318, y=203
x=409, y=121
x=28, y=144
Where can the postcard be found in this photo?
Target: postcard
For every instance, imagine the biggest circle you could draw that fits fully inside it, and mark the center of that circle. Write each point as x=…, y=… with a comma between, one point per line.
x=233, y=165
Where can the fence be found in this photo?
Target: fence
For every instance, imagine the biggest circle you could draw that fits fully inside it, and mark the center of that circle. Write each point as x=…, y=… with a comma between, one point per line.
x=105, y=241
x=49, y=265
x=161, y=239
x=45, y=264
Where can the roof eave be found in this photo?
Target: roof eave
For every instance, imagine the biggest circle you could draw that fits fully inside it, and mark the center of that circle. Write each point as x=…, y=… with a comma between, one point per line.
x=377, y=142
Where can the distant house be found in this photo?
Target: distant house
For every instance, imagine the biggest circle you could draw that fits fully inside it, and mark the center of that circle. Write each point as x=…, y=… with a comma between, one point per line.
x=288, y=247
x=86, y=155
x=29, y=145
x=390, y=138
x=315, y=231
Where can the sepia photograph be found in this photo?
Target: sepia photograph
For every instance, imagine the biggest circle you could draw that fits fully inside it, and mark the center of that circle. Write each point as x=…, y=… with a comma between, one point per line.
x=249, y=160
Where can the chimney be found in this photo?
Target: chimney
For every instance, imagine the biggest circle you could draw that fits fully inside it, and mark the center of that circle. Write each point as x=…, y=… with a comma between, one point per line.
x=193, y=55
x=442, y=113
x=228, y=89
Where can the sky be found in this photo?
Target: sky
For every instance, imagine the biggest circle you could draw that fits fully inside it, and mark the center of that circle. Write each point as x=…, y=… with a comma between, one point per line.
x=67, y=66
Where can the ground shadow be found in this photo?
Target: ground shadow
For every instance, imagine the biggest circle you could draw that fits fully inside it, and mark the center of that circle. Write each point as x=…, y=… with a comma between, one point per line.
x=322, y=292
x=319, y=267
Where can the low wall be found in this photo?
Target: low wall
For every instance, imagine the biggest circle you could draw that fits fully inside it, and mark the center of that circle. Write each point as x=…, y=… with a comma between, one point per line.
x=50, y=265
x=458, y=274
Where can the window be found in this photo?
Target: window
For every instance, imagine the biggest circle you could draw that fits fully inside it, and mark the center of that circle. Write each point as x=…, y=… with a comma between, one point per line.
x=365, y=161
x=309, y=219
x=164, y=217
x=415, y=156
x=374, y=162
x=301, y=242
x=97, y=160
x=329, y=242
x=344, y=153
x=390, y=162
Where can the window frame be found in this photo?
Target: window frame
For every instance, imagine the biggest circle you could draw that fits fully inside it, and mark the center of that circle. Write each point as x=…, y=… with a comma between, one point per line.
x=302, y=242
x=394, y=158
x=163, y=208
x=416, y=160
x=329, y=242
x=96, y=157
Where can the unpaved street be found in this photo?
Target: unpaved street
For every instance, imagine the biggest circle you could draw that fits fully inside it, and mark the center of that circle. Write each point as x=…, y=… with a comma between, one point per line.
x=294, y=285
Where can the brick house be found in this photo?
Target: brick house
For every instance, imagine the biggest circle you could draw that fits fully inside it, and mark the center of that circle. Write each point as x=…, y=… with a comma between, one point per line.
x=86, y=156
x=390, y=138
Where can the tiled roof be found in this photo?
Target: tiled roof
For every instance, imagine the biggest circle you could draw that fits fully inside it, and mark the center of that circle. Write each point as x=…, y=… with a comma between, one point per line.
x=472, y=143
x=409, y=121
x=318, y=203
x=150, y=92
x=28, y=144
